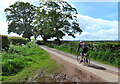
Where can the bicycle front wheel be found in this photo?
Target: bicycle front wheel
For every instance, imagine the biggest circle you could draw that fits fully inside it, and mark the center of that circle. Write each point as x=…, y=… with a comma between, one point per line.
x=78, y=59
x=87, y=61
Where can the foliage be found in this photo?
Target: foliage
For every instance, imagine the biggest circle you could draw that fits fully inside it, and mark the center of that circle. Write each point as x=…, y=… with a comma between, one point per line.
x=103, y=52
x=5, y=42
x=19, y=57
x=24, y=61
x=18, y=40
x=56, y=19
x=20, y=16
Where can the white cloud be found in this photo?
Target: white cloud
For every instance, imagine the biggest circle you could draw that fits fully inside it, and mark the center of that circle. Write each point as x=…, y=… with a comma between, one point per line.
x=87, y=23
x=96, y=29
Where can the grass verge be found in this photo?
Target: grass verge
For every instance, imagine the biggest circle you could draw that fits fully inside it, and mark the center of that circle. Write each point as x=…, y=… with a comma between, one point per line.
x=30, y=60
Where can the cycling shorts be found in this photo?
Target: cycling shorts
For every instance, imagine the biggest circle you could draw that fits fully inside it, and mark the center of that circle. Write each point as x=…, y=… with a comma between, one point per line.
x=84, y=50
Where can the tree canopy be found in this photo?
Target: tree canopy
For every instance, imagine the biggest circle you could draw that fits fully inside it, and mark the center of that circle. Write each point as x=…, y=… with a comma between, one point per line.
x=56, y=19
x=20, y=18
x=51, y=19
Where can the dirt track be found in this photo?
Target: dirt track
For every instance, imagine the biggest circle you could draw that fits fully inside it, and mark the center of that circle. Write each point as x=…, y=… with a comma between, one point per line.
x=96, y=72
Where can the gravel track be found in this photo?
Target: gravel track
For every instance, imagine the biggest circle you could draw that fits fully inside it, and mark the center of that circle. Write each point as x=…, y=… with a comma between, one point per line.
x=96, y=72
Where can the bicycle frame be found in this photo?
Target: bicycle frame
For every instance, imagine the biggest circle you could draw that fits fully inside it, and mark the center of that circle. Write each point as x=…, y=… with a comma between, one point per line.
x=86, y=60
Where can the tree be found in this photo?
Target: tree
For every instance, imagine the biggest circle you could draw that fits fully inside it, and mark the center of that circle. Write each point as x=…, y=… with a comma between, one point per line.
x=20, y=18
x=60, y=17
x=42, y=25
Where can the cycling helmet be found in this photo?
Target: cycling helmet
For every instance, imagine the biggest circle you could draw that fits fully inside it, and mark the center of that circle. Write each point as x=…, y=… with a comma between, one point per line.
x=81, y=42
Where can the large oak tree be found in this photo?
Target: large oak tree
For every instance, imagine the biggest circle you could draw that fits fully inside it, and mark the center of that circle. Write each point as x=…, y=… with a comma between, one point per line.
x=56, y=19
x=20, y=18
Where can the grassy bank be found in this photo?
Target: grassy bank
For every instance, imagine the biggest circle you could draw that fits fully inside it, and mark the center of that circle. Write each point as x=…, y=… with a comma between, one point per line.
x=104, y=52
x=22, y=62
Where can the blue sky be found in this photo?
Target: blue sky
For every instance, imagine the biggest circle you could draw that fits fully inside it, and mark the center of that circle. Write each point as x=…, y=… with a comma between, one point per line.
x=103, y=10
x=98, y=20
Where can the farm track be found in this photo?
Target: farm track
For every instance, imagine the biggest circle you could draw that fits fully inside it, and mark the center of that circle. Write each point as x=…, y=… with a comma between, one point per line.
x=96, y=72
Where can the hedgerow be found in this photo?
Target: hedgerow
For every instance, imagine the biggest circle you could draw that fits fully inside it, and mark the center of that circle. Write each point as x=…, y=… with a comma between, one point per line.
x=18, y=40
x=5, y=41
x=106, y=52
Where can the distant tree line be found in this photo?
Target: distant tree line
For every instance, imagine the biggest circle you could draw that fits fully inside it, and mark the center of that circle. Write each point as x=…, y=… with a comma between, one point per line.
x=48, y=20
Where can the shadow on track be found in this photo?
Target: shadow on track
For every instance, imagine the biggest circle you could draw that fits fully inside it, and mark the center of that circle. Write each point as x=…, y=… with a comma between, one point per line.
x=97, y=67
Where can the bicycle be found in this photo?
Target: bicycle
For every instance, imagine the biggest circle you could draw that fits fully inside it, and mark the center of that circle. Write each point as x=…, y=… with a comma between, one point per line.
x=86, y=60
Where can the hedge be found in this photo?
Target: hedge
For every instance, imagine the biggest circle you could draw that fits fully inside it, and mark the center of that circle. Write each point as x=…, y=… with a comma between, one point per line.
x=18, y=40
x=5, y=42
x=104, y=52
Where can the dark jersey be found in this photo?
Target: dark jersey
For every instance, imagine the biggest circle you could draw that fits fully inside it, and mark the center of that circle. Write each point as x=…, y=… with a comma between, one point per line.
x=82, y=45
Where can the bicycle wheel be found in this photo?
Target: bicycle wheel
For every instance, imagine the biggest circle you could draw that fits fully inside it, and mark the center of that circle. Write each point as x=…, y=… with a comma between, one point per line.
x=87, y=61
x=84, y=61
x=78, y=59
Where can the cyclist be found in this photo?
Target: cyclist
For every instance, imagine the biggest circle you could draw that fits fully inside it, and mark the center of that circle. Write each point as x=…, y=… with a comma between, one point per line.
x=84, y=49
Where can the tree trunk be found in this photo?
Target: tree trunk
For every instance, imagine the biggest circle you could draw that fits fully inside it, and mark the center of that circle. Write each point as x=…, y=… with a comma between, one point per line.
x=57, y=36
x=29, y=39
x=35, y=36
x=58, y=41
x=44, y=39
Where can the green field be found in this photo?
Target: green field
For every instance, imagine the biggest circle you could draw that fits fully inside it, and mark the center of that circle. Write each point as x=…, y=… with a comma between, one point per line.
x=104, y=52
x=24, y=61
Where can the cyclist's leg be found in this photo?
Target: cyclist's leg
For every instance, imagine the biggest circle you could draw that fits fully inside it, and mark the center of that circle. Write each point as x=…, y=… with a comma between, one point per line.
x=85, y=54
x=81, y=53
x=81, y=56
x=85, y=51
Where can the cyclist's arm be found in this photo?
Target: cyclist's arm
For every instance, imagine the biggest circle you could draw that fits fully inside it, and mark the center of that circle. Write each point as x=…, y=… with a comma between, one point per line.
x=78, y=47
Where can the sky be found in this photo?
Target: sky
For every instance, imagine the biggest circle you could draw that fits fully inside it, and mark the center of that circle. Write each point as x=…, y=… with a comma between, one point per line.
x=97, y=19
